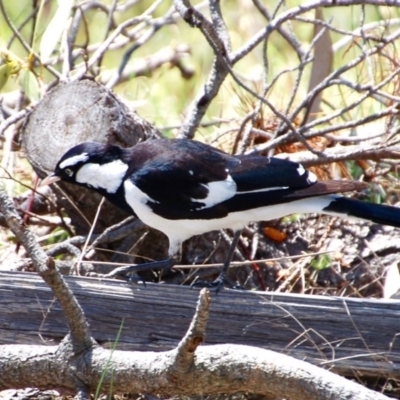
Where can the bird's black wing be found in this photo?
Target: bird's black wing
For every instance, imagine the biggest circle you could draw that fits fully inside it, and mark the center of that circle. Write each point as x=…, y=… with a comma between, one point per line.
x=265, y=181
x=190, y=180
x=185, y=179
x=182, y=178
x=256, y=173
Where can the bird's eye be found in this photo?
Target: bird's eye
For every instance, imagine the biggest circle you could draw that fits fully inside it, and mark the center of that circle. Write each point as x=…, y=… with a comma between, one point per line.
x=69, y=171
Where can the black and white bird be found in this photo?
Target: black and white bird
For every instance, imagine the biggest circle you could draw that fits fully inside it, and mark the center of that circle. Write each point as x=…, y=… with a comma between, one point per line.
x=185, y=188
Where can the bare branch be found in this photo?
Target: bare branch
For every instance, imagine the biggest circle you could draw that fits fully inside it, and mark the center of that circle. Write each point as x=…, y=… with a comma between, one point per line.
x=154, y=27
x=334, y=128
x=145, y=66
x=287, y=35
x=185, y=351
x=217, y=75
x=344, y=153
x=294, y=12
x=27, y=47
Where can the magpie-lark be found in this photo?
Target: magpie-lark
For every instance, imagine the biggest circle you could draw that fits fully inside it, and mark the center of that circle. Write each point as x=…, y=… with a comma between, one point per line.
x=185, y=188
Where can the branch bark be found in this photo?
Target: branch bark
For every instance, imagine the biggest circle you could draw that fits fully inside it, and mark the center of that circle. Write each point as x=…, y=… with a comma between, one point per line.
x=215, y=369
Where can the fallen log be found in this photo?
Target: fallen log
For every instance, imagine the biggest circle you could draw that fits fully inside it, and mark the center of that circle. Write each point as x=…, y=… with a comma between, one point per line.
x=347, y=335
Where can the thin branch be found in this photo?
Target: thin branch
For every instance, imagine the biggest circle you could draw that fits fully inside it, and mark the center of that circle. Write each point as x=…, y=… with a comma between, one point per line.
x=287, y=35
x=288, y=137
x=334, y=75
x=110, y=25
x=217, y=74
x=27, y=47
x=105, y=45
x=32, y=15
x=14, y=119
x=154, y=27
x=294, y=12
x=344, y=153
x=219, y=27
x=200, y=104
x=185, y=351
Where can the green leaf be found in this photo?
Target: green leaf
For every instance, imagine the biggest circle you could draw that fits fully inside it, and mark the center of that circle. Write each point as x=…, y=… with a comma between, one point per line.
x=30, y=85
x=321, y=262
x=52, y=34
x=10, y=67
x=5, y=72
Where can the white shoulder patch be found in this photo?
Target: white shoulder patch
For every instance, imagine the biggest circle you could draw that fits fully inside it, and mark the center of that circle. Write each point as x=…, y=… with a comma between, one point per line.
x=106, y=176
x=69, y=162
x=312, y=178
x=218, y=192
x=301, y=170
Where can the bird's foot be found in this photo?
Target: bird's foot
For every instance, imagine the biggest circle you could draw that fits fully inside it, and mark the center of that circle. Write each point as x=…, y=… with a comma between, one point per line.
x=216, y=285
x=128, y=272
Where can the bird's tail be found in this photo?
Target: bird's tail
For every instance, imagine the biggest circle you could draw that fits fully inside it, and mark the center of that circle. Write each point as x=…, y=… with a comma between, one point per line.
x=380, y=214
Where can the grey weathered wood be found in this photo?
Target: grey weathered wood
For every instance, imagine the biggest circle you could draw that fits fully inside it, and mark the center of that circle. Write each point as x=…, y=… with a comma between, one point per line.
x=343, y=334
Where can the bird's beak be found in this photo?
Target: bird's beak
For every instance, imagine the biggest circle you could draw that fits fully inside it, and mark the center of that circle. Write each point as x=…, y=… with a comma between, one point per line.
x=49, y=180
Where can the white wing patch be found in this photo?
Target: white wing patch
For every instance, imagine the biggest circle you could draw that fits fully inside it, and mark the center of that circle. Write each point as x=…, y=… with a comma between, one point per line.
x=312, y=178
x=69, y=162
x=103, y=176
x=218, y=192
x=265, y=189
x=301, y=170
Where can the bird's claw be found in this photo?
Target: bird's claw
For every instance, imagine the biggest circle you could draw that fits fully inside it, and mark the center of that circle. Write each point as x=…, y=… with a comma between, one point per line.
x=135, y=279
x=216, y=285
x=126, y=273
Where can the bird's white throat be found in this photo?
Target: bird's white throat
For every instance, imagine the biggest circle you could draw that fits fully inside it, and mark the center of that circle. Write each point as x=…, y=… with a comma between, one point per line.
x=103, y=176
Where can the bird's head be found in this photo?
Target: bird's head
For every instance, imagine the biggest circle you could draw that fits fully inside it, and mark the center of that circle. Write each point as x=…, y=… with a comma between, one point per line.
x=94, y=165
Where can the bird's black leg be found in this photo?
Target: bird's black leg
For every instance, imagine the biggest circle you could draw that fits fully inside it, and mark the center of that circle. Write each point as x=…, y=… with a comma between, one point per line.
x=123, y=271
x=218, y=284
